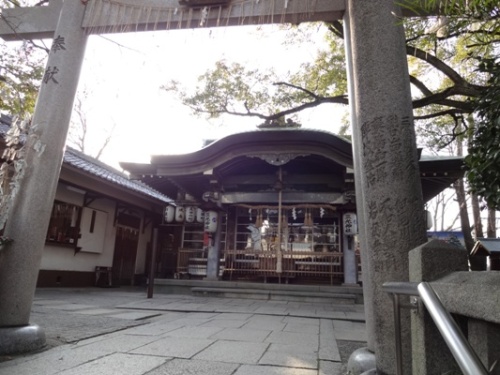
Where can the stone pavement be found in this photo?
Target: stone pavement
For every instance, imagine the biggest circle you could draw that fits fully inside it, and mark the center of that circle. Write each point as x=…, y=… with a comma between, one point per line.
x=119, y=331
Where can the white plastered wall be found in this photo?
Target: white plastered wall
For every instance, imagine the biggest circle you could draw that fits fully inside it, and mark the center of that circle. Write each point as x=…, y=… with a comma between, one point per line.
x=63, y=258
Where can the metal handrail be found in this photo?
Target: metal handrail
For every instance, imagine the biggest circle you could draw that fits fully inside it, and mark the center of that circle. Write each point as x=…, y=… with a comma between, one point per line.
x=467, y=359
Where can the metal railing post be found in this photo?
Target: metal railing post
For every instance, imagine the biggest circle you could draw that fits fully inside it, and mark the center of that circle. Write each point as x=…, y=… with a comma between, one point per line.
x=464, y=355
x=467, y=359
x=397, y=333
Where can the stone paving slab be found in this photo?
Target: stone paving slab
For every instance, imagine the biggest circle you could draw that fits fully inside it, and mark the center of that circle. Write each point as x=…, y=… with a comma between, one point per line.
x=224, y=323
x=306, y=339
x=188, y=335
x=48, y=302
x=273, y=370
x=117, y=363
x=260, y=322
x=70, y=307
x=330, y=368
x=233, y=352
x=350, y=335
x=290, y=355
x=302, y=328
x=178, y=347
x=198, y=332
x=234, y=316
x=301, y=320
x=328, y=348
x=154, y=329
x=242, y=334
x=348, y=325
x=69, y=326
x=96, y=311
x=194, y=367
x=133, y=315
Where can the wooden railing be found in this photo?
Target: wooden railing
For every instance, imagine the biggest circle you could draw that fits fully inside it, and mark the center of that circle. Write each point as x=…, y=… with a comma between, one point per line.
x=194, y=263
x=286, y=265
x=266, y=264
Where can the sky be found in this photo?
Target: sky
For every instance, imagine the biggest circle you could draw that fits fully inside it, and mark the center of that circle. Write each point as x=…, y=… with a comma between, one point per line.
x=122, y=75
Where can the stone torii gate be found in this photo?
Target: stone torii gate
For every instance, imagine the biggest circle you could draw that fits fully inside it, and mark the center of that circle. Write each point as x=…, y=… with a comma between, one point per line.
x=390, y=205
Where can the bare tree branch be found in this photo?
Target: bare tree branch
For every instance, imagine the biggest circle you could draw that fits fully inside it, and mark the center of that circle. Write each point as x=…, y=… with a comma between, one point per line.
x=450, y=112
x=441, y=66
x=106, y=142
x=420, y=85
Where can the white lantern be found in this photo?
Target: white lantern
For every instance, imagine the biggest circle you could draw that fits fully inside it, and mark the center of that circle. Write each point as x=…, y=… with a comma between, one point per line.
x=350, y=224
x=190, y=214
x=169, y=214
x=199, y=215
x=210, y=221
x=180, y=214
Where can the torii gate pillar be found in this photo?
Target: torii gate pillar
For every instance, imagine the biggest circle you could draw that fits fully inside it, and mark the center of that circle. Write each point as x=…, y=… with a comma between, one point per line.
x=388, y=190
x=28, y=220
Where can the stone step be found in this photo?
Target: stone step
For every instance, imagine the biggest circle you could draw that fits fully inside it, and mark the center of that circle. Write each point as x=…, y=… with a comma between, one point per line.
x=276, y=295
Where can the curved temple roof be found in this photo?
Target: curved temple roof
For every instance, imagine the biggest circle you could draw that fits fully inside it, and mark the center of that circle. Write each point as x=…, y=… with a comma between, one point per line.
x=244, y=161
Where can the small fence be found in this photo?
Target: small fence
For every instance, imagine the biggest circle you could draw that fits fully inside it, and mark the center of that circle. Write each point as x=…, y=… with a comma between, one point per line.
x=283, y=265
x=194, y=263
x=266, y=264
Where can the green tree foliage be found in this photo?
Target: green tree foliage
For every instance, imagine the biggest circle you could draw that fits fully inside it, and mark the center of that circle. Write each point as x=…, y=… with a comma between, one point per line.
x=476, y=25
x=21, y=69
x=483, y=160
x=231, y=88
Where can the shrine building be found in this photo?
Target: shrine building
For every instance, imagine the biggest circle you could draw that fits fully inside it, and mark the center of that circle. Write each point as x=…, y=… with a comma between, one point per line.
x=274, y=205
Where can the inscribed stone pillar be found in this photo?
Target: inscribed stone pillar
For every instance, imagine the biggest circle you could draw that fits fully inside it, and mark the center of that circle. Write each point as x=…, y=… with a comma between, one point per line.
x=387, y=164
x=30, y=214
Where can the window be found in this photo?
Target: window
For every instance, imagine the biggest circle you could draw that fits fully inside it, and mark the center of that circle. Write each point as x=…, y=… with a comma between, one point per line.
x=63, y=225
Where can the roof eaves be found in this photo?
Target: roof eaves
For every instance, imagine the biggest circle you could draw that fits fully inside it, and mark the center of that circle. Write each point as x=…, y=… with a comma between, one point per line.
x=103, y=171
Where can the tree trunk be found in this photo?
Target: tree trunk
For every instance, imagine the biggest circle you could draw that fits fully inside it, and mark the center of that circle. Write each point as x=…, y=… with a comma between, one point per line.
x=491, y=230
x=476, y=263
x=476, y=213
x=464, y=214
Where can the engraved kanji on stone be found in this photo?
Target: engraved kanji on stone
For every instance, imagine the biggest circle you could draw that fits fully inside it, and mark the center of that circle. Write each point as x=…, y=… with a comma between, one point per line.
x=49, y=74
x=58, y=44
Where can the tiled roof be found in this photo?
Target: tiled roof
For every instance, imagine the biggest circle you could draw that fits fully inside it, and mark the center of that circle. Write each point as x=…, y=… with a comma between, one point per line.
x=99, y=169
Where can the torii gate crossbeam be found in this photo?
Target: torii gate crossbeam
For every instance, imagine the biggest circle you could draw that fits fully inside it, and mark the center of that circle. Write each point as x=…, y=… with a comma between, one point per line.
x=118, y=16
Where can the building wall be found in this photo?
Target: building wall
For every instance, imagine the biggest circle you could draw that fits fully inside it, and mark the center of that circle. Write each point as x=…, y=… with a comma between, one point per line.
x=63, y=266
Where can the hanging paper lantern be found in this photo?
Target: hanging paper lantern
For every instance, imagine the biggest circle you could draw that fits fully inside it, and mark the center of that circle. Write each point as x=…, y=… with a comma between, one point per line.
x=190, y=214
x=210, y=221
x=180, y=214
x=350, y=224
x=199, y=215
x=169, y=214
